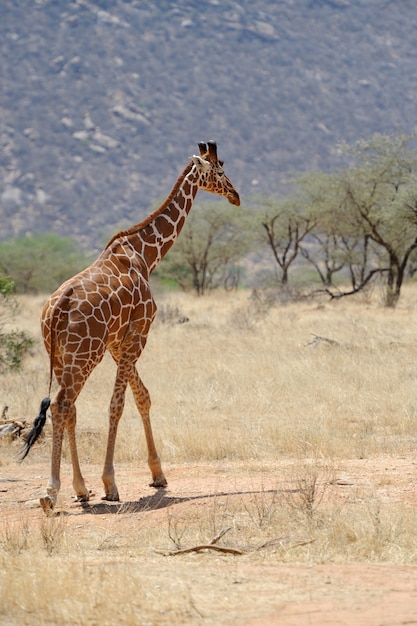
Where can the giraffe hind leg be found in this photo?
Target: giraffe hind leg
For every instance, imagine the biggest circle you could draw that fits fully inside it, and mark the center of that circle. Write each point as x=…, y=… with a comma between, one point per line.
x=63, y=416
x=78, y=483
x=115, y=413
x=143, y=403
x=48, y=501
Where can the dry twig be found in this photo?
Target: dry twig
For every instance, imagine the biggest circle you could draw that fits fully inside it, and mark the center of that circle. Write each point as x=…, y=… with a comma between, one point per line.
x=205, y=546
x=316, y=340
x=228, y=550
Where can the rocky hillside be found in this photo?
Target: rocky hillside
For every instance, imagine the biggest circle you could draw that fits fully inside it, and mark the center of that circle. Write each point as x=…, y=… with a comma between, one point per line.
x=103, y=101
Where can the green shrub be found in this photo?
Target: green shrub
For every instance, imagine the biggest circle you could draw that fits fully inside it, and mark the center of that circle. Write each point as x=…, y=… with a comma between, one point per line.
x=13, y=344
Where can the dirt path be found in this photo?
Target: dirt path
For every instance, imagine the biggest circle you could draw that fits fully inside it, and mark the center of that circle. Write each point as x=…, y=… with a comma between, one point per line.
x=242, y=590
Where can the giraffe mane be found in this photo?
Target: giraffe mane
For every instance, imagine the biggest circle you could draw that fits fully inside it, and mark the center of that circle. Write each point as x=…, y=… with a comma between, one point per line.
x=134, y=229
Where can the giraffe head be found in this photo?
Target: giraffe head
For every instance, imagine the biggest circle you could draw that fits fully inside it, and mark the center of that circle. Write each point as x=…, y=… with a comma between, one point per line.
x=211, y=174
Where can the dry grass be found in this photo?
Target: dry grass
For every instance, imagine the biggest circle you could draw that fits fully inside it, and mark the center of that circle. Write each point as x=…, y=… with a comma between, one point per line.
x=306, y=388
x=325, y=380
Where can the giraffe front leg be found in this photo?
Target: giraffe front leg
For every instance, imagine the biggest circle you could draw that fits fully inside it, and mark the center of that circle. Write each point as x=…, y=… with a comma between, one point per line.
x=48, y=501
x=110, y=488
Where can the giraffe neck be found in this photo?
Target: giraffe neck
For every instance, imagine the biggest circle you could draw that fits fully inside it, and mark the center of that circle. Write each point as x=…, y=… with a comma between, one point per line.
x=154, y=236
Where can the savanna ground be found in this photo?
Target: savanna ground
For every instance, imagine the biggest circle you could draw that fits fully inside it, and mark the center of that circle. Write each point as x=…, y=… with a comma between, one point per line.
x=291, y=429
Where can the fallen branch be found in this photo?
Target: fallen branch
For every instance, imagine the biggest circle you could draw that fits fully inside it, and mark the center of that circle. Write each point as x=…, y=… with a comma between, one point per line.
x=281, y=542
x=204, y=546
x=12, y=428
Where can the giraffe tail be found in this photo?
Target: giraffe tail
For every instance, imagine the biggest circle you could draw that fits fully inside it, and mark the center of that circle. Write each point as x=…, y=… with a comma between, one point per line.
x=34, y=434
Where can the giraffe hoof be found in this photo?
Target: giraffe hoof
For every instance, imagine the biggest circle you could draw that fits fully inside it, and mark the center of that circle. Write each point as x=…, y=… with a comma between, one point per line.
x=83, y=497
x=159, y=483
x=47, y=503
x=111, y=497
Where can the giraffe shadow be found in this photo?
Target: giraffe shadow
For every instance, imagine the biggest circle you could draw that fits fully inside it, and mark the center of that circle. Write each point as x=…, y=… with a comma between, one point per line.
x=160, y=500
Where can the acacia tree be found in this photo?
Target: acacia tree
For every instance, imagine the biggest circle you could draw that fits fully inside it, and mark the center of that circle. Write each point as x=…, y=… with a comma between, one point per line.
x=331, y=261
x=323, y=247
x=337, y=243
x=380, y=196
x=286, y=224
x=366, y=216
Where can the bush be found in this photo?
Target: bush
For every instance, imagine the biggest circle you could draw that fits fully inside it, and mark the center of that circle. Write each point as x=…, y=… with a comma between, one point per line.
x=13, y=344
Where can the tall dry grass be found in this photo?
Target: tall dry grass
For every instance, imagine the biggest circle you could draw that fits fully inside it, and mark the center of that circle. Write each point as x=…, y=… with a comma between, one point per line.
x=305, y=380
x=306, y=386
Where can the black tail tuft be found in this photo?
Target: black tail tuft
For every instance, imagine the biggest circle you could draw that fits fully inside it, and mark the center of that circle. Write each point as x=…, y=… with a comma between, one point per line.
x=34, y=434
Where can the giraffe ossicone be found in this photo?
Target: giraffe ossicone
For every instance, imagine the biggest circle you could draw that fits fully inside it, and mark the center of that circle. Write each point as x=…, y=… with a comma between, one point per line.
x=109, y=306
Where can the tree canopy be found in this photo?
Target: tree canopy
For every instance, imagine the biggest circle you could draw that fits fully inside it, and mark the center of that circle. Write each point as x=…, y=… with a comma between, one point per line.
x=40, y=263
x=358, y=222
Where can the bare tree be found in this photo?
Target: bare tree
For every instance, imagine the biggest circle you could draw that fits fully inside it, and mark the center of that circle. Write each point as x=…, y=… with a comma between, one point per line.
x=286, y=225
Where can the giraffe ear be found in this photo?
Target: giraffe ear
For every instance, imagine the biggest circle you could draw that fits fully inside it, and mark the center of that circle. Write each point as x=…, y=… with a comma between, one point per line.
x=201, y=163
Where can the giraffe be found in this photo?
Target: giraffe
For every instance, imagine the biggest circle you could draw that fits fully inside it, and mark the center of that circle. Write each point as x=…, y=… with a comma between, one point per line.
x=109, y=306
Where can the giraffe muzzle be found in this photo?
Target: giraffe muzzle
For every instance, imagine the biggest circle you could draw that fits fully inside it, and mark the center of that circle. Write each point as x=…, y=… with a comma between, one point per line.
x=233, y=197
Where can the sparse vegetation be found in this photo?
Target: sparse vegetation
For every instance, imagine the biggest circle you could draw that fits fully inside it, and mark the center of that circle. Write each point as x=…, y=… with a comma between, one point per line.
x=14, y=344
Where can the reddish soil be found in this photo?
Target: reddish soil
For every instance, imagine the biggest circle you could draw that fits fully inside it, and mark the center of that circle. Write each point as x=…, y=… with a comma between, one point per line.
x=270, y=592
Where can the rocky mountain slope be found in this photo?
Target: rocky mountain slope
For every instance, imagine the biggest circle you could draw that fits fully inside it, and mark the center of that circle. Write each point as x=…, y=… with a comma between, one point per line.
x=103, y=101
